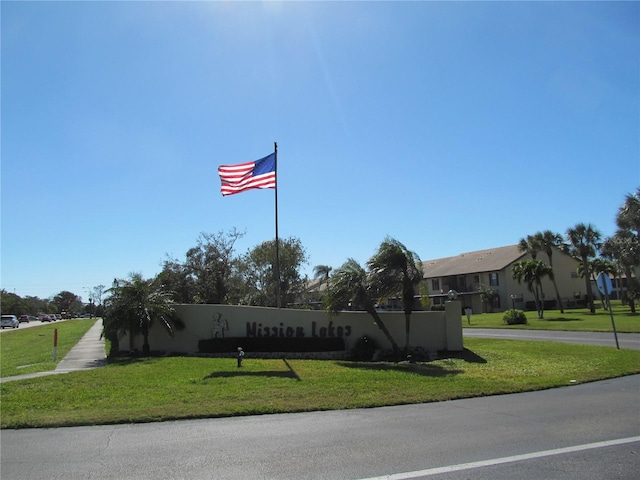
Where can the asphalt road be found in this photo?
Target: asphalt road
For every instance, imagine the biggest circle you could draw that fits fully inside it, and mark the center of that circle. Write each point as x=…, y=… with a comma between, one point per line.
x=589, y=431
x=625, y=340
x=31, y=324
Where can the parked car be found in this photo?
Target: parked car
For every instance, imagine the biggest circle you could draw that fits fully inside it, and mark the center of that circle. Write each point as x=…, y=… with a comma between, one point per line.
x=58, y=316
x=9, y=321
x=23, y=318
x=44, y=318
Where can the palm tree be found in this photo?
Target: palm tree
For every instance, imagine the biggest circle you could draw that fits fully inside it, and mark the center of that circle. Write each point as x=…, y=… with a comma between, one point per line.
x=135, y=305
x=530, y=245
x=353, y=285
x=532, y=272
x=628, y=222
x=623, y=249
x=399, y=270
x=628, y=217
x=549, y=240
x=322, y=272
x=598, y=266
x=584, y=241
x=613, y=250
x=321, y=275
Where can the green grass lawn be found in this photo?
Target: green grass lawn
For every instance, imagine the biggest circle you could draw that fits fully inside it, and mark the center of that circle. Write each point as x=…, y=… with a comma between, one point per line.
x=30, y=350
x=155, y=389
x=571, y=320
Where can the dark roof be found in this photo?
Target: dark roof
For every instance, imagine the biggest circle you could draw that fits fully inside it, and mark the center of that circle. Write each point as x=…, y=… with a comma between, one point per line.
x=490, y=260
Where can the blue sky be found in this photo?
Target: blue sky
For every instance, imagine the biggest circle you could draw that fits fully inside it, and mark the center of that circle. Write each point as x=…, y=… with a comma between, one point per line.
x=450, y=126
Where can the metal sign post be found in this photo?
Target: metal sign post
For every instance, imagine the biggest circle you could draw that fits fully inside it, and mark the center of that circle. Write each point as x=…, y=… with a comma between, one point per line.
x=55, y=344
x=605, y=286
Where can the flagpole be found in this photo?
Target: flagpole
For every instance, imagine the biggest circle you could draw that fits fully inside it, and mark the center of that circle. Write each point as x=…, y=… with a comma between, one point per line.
x=278, y=302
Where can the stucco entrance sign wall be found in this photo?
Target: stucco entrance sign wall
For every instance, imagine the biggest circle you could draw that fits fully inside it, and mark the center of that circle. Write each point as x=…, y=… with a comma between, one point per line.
x=432, y=331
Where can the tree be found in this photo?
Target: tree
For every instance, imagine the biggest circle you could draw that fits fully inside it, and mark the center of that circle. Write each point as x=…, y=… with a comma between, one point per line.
x=178, y=278
x=135, y=305
x=64, y=301
x=36, y=305
x=548, y=240
x=488, y=295
x=584, y=242
x=213, y=273
x=530, y=245
x=543, y=242
x=598, y=266
x=97, y=293
x=628, y=217
x=211, y=263
x=207, y=275
x=351, y=285
x=322, y=272
x=399, y=272
x=12, y=304
x=315, y=289
x=532, y=272
x=624, y=247
x=258, y=270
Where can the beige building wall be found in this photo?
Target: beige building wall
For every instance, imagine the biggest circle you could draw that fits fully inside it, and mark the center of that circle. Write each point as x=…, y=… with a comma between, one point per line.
x=432, y=331
x=564, y=267
x=567, y=279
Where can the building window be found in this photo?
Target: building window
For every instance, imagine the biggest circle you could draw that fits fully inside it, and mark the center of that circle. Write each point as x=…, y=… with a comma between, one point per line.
x=435, y=284
x=493, y=279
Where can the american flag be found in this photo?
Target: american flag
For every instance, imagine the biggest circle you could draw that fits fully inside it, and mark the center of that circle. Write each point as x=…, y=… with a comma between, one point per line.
x=249, y=175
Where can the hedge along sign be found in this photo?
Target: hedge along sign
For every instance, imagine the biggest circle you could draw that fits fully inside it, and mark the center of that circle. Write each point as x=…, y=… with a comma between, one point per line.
x=255, y=329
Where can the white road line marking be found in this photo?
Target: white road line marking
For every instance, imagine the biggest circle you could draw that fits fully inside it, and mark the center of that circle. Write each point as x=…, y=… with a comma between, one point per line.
x=498, y=461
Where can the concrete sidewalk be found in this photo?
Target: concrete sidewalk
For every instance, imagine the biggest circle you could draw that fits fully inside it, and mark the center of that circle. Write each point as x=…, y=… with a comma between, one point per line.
x=87, y=354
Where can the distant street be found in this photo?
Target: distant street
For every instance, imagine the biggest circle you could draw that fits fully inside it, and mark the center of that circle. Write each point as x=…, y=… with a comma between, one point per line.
x=625, y=340
x=32, y=324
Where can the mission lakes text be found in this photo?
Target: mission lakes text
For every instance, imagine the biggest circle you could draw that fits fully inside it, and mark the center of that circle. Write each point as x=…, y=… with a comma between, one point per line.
x=255, y=329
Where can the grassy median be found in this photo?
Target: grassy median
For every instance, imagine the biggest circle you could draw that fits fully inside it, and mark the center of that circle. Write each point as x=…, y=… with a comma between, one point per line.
x=30, y=350
x=580, y=319
x=156, y=389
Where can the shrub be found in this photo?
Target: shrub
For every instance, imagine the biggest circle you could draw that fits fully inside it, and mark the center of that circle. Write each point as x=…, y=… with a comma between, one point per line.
x=364, y=349
x=514, y=317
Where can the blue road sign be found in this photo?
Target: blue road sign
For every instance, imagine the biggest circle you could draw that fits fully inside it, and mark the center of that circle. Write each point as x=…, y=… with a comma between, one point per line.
x=604, y=284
